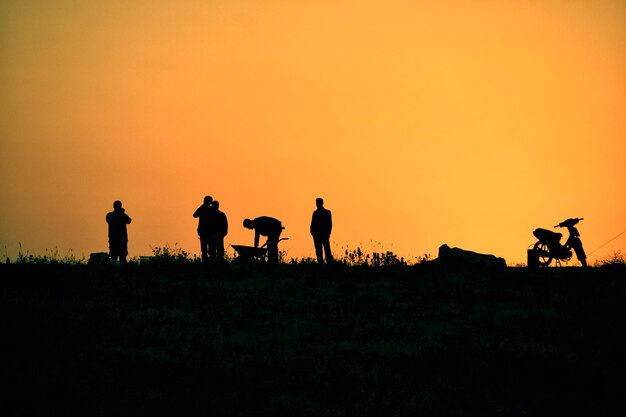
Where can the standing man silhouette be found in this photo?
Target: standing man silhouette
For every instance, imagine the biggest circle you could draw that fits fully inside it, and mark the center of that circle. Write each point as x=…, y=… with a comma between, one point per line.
x=219, y=230
x=270, y=227
x=321, y=226
x=118, y=235
x=204, y=214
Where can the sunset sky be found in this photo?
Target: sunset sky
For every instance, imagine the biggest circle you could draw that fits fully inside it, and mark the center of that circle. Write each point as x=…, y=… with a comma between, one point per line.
x=420, y=123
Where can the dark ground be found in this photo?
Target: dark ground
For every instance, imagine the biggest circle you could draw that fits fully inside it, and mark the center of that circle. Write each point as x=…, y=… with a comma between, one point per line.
x=301, y=340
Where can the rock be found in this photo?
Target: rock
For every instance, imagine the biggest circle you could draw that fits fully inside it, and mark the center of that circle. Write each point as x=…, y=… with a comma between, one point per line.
x=98, y=258
x=459, y=257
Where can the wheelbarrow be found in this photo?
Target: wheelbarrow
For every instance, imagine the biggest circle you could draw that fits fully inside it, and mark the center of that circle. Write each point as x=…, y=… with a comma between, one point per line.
x=248, y=253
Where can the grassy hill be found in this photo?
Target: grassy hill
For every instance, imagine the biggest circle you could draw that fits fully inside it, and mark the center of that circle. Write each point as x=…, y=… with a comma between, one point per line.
x=180, y=338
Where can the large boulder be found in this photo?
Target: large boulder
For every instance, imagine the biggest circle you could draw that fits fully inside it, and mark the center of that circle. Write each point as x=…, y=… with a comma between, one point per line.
x=459, y=257
x=99, y=259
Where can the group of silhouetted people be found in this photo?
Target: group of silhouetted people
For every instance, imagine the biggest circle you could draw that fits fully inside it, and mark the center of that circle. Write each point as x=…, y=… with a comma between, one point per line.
x=213, y=228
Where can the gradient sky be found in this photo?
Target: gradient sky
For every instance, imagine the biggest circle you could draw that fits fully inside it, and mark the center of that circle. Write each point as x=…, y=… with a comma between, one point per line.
x=420, y=123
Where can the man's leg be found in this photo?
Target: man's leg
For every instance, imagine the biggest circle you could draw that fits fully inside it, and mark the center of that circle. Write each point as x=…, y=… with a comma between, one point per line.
x=112, y=252
x=318, y=249
x=220, y=248
x=114, y=249
x=272, y=249
x=123, y=250
x=329, y=255
x=212, y=247
x=204, y=245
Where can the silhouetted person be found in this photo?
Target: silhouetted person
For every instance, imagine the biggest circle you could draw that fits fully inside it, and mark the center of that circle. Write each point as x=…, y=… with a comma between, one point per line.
x=321, y=226
x=270, y=227
x=219, y=230
x=204, y=214
x=118, y=235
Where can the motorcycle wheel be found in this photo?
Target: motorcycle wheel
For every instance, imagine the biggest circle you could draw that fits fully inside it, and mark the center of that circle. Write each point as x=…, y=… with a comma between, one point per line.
x=544, y=257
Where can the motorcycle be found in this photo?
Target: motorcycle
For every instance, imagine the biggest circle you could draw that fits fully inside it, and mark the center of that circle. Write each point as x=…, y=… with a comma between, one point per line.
x=549, y=247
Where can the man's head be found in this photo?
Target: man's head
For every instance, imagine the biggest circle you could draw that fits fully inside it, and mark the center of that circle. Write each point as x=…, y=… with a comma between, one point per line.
x=208, y=200
x=117, y=204
x=319, y=202
x=215, y=204
x=248, y=224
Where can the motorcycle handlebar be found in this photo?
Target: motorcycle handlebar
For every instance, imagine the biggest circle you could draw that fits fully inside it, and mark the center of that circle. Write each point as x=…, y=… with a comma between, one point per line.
x=569, y=222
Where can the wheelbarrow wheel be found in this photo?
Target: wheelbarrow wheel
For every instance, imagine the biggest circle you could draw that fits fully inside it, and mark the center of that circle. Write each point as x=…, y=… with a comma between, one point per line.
x=543, y=252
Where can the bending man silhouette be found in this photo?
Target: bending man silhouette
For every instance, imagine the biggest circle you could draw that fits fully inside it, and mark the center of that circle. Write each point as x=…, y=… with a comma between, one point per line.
x=118, y=235
x=219, y=230
x=204, y=214
x=270, y=227
x=321, y=226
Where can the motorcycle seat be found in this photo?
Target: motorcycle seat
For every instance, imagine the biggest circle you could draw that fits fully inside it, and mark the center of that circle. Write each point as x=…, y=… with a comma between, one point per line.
x=547, y=236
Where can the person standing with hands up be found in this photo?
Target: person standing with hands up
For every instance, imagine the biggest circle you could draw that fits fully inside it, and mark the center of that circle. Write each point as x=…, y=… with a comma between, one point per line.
x=204, y=214
x=118, y=235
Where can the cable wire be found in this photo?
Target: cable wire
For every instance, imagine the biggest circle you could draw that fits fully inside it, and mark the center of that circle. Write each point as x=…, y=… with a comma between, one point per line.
x=606, y=243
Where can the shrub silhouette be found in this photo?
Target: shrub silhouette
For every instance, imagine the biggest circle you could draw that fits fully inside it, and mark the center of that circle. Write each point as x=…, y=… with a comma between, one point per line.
x=617, y=258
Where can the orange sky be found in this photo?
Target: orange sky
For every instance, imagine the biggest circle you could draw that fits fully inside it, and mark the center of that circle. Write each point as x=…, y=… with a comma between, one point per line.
x=420, y=123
